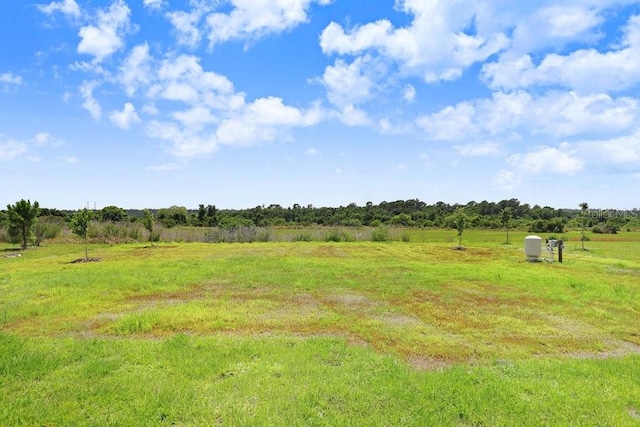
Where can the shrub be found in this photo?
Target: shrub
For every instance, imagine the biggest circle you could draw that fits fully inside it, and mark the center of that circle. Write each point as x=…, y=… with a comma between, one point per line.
x=607, y=229
x=47, y=227
x=402, y=219
x=332, y=236
x=380, y=234
x=376, y=223
x=335, y=235
x=302, y=237
x=351, y=222
x=135, y=233
x=235, y=234
x=264, y=235
x=554, y=225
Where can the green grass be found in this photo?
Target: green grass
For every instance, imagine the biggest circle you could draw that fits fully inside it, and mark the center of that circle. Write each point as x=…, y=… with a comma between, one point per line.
x=315, y=333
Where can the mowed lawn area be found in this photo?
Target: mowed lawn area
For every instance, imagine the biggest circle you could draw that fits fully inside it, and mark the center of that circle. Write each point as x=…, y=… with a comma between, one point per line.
x=315, y=333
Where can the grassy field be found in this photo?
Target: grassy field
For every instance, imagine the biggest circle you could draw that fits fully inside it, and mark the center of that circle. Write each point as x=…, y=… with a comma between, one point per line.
x=311, y=333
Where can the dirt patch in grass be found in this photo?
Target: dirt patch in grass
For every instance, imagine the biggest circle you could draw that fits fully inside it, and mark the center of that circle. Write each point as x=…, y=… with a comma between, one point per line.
x=623, y=271
x=13, y=255
x=615, y=349
x=329, y=251
x=83, y=260
x=426, y=363
x=197, y=292
x=400, y=320
x=571, y=327
x=350, y=299
x=458, y=323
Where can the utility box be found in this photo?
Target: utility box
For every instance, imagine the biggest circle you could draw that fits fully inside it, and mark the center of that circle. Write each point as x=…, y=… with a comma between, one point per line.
x=533, y=248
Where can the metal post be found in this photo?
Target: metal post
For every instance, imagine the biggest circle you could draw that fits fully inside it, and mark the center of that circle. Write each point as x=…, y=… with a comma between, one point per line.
x=560, y=245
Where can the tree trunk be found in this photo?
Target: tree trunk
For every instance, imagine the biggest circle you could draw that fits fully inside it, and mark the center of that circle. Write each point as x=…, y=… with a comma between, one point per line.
x=24, y=237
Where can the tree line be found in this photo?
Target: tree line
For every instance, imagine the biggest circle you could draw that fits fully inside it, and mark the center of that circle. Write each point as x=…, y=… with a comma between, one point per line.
x=28, y=222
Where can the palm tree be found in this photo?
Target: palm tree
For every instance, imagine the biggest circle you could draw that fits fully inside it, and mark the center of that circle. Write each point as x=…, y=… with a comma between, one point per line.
x=584, y=206
x=22, y=217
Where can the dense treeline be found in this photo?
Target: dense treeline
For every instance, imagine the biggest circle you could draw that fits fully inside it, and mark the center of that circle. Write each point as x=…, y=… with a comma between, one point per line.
x=409, y=213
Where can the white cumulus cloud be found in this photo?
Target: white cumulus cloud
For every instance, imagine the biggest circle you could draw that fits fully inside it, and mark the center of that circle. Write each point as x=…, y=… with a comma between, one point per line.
x=548, y=160
x=67, y=7
x=10, y=148
x=263, y=120
x=125, y=118
x=90, y=103
x=154, y=4
x=9, y=78
x=44, y=139
x=135, y=71
x=250, y=19
x=187, y=24
x=584, y=70
x=9, y=81
x=105, y=37
x=434, y=46
x=511, y=115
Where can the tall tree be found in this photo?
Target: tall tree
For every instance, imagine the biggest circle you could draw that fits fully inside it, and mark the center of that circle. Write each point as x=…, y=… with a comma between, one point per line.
x=22, y=217
x=505, y=218
x=114, y=213
x=584, y=206
x=202, y=213
x=80, y=226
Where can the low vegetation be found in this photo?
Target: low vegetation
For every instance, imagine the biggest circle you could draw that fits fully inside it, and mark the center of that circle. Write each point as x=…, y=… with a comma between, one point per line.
x=318, y=331
x=113, y=224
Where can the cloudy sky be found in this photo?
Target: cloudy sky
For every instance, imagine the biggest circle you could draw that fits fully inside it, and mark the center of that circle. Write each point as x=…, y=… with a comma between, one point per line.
x=240, y=103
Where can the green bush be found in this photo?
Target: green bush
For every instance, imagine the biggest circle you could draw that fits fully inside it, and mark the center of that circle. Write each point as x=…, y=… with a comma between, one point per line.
x=47, y=227
x=335, y=235
x=380, y=234
x=302, y=237
x=351, y=222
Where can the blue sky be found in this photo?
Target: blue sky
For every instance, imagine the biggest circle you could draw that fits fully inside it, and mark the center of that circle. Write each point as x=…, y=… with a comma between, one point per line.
x=240, y=103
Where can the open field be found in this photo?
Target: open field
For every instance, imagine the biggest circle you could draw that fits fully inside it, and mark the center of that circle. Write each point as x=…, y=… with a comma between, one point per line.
x=312, y=333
